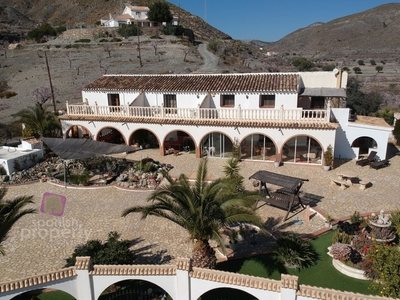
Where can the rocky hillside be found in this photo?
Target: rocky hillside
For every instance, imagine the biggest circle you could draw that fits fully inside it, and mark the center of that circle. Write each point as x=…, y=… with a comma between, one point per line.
x=373, y=31
x=21, y=15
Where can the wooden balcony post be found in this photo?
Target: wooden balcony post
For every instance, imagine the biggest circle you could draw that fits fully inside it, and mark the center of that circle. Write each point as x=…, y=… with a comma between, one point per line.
x=97, y=108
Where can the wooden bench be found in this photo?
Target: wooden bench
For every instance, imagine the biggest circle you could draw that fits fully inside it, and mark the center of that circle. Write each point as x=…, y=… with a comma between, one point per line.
x=364, y=184
x=287, y=197
x=281, y=200
x=343, y=184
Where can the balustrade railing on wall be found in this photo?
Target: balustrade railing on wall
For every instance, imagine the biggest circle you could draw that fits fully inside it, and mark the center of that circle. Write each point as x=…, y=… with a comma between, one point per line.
x=297, y=114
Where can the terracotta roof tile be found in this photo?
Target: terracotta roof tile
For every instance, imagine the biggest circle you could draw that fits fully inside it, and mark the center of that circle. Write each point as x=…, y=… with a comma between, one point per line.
x=256, y=82
x=208, y=122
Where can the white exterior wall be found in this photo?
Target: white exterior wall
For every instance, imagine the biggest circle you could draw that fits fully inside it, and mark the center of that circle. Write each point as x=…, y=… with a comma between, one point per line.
x=68, y=285
x=142, y=15
x=23, y=159
x=324, y=79
x=350, y=131
x=111, y=23
x=191, y=100
x=278, y=136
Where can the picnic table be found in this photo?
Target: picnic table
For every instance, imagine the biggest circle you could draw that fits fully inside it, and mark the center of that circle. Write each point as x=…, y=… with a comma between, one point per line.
x=287, y=197
x=348, y=177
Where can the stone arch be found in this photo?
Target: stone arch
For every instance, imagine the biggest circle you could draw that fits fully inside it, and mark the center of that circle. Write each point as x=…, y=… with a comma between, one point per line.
x=179, y=140
x=133, y=287
x=258, y=146
x=110, y=135
x=78, y=131
x=302, y=149
x=55, y=294
x=226, y=294
x=364, y=144
x=139, y=138
x=216, y=144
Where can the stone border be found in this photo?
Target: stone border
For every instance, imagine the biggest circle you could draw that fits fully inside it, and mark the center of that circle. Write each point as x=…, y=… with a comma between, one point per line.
x=347, y=270
x=133, y=270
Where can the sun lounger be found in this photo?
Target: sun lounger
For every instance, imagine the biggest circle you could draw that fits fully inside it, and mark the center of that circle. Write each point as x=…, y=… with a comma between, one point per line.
x=366, y=161
x=379, y=164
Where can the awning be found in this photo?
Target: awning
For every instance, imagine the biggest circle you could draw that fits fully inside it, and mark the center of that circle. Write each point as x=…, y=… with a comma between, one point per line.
x=324, y=92
x=208, y=102
x=83, y=148
x=140, y=101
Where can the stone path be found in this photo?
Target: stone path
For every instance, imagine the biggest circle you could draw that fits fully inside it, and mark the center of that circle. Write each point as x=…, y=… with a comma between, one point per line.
x=40, y=243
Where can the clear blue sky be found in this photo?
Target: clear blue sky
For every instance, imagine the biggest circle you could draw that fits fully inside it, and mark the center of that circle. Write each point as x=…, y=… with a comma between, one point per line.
x=270, y=20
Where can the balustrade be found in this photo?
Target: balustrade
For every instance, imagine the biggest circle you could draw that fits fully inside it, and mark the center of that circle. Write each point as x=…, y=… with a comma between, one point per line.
x=297, y=114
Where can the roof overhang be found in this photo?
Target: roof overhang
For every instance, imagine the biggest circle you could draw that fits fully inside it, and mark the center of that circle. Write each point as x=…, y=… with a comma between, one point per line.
x=324, y=92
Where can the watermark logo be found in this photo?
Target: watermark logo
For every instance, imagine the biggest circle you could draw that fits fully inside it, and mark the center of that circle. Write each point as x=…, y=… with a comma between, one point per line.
x=53, y=204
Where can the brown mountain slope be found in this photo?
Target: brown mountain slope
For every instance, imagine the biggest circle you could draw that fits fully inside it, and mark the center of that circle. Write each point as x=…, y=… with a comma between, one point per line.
x=74, y=12
x=374, y=30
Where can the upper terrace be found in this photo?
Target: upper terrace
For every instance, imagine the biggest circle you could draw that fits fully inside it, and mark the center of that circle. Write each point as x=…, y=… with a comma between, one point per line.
x=198, y=115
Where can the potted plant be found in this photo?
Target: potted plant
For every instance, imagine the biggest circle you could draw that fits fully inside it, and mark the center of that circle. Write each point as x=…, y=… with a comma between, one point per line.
x=328, y=158
x=278, y=160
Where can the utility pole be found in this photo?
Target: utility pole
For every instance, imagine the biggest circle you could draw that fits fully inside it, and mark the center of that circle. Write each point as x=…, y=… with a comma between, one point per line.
x=51, y=84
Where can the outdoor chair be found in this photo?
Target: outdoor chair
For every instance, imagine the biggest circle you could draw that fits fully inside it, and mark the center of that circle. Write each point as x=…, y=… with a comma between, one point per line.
x=366, y=161
x=379, y=164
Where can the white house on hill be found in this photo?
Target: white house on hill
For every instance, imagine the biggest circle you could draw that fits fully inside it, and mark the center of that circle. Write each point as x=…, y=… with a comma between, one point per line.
x=289, y=116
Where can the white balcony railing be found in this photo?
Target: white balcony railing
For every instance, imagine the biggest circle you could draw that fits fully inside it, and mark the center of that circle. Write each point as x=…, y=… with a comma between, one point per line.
x=297, y=114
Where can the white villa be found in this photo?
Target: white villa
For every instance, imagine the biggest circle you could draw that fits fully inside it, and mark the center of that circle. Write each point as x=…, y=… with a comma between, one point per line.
x=132, y=14
x=291, y=117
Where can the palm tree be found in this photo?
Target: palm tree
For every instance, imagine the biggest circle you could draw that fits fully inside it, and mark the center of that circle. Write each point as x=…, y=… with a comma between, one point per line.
x=39, y=121
x=203, y=209
x=10, y=212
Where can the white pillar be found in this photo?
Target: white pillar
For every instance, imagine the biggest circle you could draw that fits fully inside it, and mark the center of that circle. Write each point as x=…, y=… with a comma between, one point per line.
x=182, y=279
x=83, y=285
x=289, y=286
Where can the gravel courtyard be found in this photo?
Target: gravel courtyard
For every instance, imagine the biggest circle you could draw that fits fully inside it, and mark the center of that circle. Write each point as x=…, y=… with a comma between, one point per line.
x=40, y=243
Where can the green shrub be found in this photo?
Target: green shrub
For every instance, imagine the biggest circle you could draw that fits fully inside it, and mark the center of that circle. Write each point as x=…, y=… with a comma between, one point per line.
x=60, y=29
x=103, y=41
x=8, y=94
x=160, y=12
x=357, y=70
x=214, y=45
x=112, y=252
x=293, y=251
x=328, y=156
x=302, y=64
x=116, y=40
x=41, y=31
x=396, y=132
x=384, y=270
x=328, y=67
x=83, y=41
x=360, y=62
x=129, y=30
x=341, y=237
x=379, y=69
x=372, y=62
x=356, y=218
